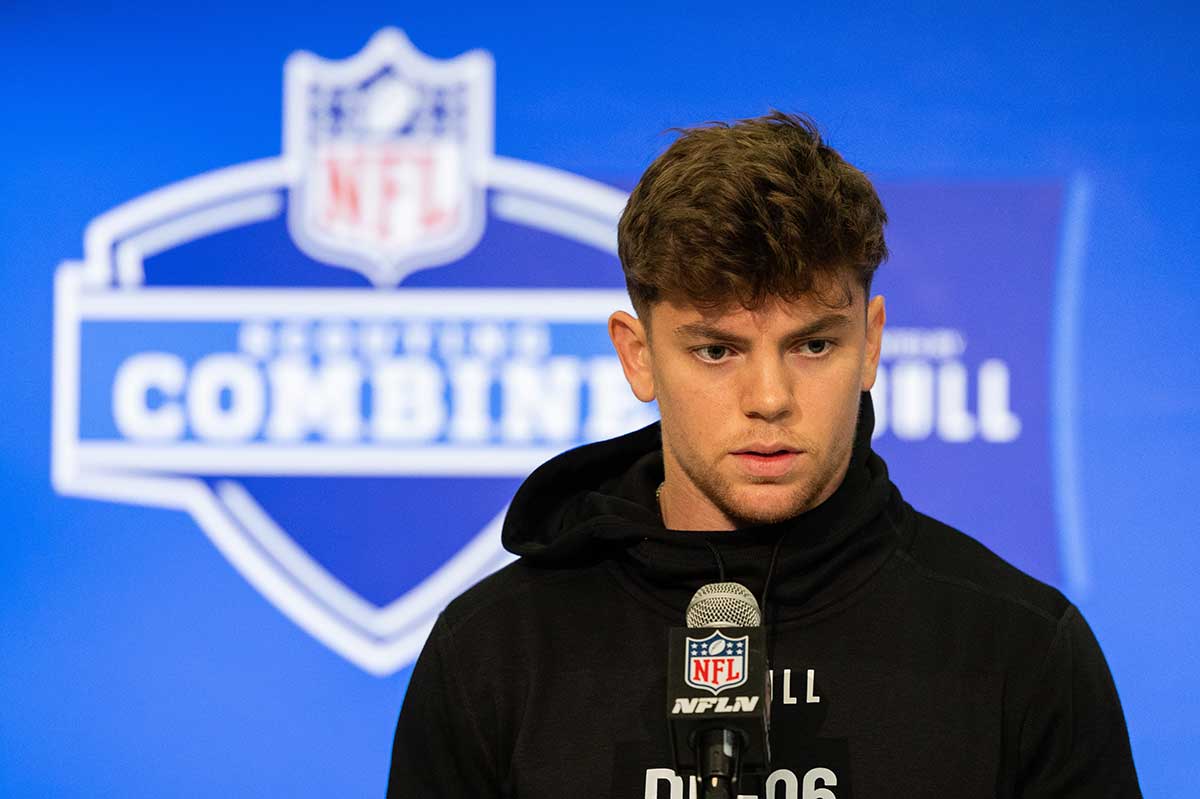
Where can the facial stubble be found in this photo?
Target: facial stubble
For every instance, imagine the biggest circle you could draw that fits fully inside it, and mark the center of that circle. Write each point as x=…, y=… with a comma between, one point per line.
x=805, y=495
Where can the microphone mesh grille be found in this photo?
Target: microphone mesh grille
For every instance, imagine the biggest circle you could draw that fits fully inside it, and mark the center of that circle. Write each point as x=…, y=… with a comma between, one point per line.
x=723, y=605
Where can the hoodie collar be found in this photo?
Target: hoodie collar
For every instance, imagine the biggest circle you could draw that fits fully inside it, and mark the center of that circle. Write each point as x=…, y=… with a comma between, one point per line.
x=598, y=502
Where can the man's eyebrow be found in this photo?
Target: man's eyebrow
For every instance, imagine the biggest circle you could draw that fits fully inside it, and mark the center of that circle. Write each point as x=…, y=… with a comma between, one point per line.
x=822, y=324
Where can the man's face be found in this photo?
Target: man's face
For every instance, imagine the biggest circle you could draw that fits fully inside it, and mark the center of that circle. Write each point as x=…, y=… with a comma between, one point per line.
x=758, y=407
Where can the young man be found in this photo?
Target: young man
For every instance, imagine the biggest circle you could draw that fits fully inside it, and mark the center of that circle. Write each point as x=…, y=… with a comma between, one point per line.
x=908, y=659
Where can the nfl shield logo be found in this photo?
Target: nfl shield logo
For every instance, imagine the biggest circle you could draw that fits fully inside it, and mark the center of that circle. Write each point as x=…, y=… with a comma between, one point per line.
x=716, y=662
x=392, y=148
x=348, y=444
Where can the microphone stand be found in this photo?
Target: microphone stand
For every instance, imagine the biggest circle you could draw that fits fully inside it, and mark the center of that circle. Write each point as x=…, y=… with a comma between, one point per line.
x=718, y=757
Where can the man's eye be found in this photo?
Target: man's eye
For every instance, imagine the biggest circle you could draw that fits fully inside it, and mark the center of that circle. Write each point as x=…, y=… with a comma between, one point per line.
x=713, y=353
x=817, y=346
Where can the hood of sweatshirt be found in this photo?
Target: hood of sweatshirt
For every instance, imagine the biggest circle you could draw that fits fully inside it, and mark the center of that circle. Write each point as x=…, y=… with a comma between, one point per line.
x=597, y=502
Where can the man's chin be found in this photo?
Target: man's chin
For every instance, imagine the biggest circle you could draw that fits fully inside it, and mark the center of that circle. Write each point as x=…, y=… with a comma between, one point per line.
x=767, y=503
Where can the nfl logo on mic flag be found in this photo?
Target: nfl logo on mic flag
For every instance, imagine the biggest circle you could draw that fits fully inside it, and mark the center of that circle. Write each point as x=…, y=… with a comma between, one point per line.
x=717, y=662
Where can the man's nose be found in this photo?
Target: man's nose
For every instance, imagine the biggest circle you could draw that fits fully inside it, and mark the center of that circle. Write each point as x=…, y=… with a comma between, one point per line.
x=767, y=391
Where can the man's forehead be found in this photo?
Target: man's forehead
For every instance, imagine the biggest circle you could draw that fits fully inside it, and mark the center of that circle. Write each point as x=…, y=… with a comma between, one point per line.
x=679, y=312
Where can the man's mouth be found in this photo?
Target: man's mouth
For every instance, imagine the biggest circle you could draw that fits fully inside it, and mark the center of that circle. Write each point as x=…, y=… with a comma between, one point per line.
x=767, y=460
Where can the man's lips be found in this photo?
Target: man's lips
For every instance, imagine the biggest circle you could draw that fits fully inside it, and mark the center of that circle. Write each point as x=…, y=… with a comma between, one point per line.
x=767, y=460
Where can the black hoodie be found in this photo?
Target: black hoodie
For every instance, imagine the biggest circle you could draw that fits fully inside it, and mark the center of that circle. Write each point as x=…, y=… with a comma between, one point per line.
x=908, y=659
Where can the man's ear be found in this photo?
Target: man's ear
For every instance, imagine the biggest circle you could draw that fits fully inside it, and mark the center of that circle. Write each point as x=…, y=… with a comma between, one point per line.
x=876, y=316
x=632, y=342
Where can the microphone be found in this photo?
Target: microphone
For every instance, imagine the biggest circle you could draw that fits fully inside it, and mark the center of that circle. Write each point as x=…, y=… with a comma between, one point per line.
x=723, y=605
x=718, y=700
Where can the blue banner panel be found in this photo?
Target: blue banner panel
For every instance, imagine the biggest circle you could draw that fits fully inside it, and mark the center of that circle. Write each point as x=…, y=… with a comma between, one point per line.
x=266, y=421
x=342, y=361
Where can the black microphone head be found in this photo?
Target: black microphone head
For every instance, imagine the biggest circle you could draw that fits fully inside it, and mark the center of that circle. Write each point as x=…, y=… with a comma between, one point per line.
x=723, y=605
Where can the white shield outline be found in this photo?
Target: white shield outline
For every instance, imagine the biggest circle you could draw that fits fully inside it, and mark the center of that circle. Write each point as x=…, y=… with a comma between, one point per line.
x=108, y=284
x=390, y=47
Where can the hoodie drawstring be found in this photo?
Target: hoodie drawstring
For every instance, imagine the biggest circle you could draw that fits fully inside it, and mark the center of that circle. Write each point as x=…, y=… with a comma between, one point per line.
x=767, y=609
x=720, y=561
x=771, y=573
x=766, y=581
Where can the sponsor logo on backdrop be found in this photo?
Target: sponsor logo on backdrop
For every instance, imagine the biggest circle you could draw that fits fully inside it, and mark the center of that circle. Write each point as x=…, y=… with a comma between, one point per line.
x=259, y=346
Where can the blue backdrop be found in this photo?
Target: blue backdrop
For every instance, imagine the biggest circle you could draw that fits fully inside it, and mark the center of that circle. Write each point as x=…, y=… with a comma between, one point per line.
x=1039, y=168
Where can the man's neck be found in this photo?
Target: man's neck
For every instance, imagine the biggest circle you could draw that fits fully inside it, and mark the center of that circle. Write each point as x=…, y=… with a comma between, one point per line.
x=683, y=506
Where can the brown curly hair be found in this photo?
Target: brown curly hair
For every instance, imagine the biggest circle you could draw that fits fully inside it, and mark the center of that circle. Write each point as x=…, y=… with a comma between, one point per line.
x=747, y=211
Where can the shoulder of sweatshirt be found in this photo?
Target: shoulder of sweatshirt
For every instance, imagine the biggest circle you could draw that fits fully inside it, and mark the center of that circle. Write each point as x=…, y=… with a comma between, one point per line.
x=523, y=591
x=941, y=554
